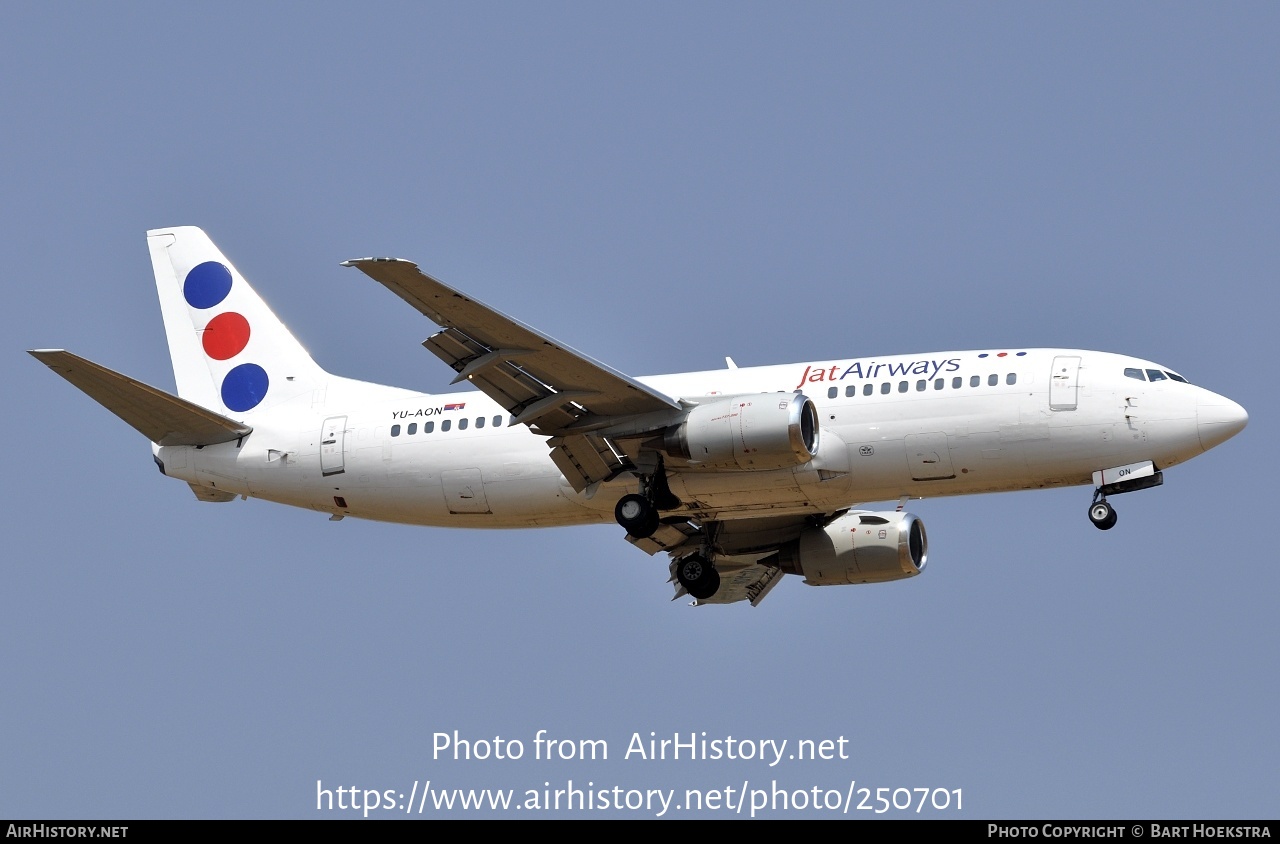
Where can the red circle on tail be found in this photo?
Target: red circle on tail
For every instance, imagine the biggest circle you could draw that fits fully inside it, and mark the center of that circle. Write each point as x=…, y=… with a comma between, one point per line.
x=225, y=336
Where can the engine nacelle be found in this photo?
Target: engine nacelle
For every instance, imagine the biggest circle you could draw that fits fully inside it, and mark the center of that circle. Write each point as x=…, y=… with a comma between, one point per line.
x=858, y=548
x=763, y=431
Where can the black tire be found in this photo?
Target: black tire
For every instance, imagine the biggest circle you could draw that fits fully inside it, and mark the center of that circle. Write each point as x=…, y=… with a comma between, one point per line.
x=636, y=514
x=708, y=586
x=691, y=570
x=698, y=577
x=1103, y=515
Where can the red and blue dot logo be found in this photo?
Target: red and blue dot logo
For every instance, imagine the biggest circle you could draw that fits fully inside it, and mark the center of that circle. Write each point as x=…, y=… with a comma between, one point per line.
x=225, y=336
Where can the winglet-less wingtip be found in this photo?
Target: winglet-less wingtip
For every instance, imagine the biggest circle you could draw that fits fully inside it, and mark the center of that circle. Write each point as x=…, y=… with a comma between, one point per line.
x=355, y=262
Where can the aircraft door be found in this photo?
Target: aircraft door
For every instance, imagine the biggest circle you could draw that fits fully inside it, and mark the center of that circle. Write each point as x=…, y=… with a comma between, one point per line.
x=929, y=457
x=333, y=442
x=464, y=491
x=1064, y=381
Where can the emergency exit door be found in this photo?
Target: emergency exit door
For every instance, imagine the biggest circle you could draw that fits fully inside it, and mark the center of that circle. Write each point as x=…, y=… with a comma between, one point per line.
x=333, y=441
x=1064, y=382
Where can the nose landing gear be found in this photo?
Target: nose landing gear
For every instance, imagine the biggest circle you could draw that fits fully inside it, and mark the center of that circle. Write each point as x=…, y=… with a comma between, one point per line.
x=1129, y=478
x=1102, y=514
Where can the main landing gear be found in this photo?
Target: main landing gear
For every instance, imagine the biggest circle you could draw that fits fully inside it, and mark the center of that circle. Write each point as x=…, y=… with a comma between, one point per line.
x=637, y=514
x=698, y=577
x=640, y=514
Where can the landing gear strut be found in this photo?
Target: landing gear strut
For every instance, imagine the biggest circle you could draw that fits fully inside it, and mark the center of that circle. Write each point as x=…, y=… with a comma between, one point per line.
x=1130, y=478
x=698, y=577
x=1102, y=514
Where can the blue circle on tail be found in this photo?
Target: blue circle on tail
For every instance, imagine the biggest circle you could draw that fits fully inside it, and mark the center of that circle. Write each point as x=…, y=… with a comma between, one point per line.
x=245, y=387
x=207, y=284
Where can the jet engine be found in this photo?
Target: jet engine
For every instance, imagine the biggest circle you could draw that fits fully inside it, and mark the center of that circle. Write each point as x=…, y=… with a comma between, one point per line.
x=763, y=431
x=858, y=547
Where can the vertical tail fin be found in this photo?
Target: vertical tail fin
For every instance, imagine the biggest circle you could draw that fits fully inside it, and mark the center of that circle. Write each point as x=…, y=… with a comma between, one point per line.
x=230, y=353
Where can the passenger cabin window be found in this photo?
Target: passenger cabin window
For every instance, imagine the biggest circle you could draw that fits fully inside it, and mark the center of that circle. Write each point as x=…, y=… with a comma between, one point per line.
x=851, y=390
x=497, y=421
x=428, y=427
x=1156, y=375
x=413, y=429
x=902, y=386
x=921, y=384
x=444, y=426
x=885, y=388
x=1011, y=378
x=462, y=424
x=395, y=430
x=993, y=379
x=956, y=382
x=867, y=389
x=479, y=421
x=975, y=380
x=833, y=392
x=939, y=383
x=1130, y=372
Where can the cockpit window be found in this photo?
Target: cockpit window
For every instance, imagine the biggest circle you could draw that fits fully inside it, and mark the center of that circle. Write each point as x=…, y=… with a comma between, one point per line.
x=1135, y=373
x=1176, y=377
x=1156, y=375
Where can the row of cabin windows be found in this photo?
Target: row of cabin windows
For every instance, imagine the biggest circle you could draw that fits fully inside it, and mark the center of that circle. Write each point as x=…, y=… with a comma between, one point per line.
x=446, y=424
x=1154, y=375
x=957, y=382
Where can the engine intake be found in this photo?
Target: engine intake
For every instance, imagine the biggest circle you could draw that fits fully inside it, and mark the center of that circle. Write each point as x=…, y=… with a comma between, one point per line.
x=858, y=548
x=762, y=431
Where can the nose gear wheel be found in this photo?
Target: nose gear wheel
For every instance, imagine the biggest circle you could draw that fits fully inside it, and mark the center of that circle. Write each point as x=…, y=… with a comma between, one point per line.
x=1102, y=514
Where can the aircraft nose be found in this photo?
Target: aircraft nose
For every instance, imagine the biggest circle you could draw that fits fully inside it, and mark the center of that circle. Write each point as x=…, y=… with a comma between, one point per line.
x=1218, y=420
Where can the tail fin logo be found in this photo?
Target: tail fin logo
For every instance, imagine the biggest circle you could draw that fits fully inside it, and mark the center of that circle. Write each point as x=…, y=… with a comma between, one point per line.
x=207, y=285
x=245, y=387
x=225, y=335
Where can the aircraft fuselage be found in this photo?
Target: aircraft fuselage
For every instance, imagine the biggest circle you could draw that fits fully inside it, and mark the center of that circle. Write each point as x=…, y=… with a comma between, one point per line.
x=953, y=423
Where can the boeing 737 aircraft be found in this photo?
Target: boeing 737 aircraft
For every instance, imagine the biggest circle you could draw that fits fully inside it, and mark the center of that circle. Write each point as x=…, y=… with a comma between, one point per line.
x=740, y=475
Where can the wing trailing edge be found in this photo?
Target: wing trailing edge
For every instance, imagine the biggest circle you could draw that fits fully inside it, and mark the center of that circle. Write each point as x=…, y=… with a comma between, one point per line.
x=541, y=382
x=160, y=417
x=530, y=374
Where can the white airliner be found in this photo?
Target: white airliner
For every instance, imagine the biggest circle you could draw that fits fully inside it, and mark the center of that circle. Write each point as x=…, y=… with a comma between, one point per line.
x=741, y=475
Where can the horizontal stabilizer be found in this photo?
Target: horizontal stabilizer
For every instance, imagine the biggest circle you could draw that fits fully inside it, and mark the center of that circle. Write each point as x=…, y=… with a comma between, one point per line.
x=208, y=493
x=162, y=418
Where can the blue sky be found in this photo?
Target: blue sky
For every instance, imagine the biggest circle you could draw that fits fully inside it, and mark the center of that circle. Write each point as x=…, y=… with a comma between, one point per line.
x=658, y=186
